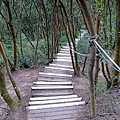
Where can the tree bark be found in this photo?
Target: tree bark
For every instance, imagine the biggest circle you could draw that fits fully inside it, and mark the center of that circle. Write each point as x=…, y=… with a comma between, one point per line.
x=90, y=27
x=10, y=74
x=97, y=68
x=77, y=69
x=4, y=93
x=73, y=64
x=117, y=45
x=47, y=29
x=38, y=35
x=12, y=32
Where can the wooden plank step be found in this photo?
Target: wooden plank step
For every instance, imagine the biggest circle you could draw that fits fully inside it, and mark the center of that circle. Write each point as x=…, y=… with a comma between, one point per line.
x=56, y=105
x=63, y=54
x=54, y=74
x=62, y=117
x=66, y=47
x=59, y=65
x=72, y=118
x=52, y=83
x=65, y=51
x=52, y=97
x=58, y=113
x=56, y=68
x=51, y=87
x=53, y=79
x=58, y=101
x=50, y=91
x=66, y=108
x=59, y=57
x=51, y=94
x=62, y=60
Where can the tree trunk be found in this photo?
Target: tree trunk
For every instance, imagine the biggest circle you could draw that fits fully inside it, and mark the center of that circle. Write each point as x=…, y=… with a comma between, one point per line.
x=47, y=29
x=4, y=93
x=73, y=37
x=38, y=36
x=97, y=68
x=77, y=69
x=10, y=74
x=117, y=44
x=12, y=32
x=73, y=64
x=89, y=23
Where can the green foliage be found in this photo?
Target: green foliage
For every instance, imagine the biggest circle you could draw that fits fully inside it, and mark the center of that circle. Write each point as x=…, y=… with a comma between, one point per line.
x=112, y=100
x=28, y=12
x=25, y=61
x=83, y=44
x=62, y=40
x=100, y=87
x=42, y=52
x=1, y=61
x=111, y=108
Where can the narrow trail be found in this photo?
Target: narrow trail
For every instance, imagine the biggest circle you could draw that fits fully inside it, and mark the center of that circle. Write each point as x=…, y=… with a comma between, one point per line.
x=52, y=96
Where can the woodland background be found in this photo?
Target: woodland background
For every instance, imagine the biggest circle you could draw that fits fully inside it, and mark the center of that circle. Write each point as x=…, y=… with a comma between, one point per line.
x=33, y=31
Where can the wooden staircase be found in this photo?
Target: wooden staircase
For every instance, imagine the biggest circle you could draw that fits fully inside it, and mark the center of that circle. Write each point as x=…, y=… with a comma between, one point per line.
x=52, y=94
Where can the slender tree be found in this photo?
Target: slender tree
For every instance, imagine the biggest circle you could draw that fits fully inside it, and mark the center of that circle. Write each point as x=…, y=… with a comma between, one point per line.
x=89, y=23
x=70, y=32
x=12, y=31
x=73, y=64
x=4, y=92
x=47, y=29
x=20, y=99
x=97, y=68
x=117, y=44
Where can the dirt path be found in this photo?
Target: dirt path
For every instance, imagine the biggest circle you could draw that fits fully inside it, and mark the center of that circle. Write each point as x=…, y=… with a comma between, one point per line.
x=106, y=103
x=24, y=79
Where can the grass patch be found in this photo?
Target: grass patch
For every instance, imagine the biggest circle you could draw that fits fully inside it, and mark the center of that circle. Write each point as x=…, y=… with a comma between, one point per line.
x=100, y=88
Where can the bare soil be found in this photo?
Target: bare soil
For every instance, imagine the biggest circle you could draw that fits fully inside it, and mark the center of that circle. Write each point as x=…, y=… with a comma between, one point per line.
x=107, y=102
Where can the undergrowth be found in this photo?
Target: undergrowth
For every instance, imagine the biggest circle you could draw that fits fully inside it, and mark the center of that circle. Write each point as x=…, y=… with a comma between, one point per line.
x=26, y=59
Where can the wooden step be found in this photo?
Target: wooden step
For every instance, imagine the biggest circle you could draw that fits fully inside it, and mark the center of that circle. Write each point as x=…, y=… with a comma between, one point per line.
x=63, y=54
x=55, y=105
x=53, y=74
x=52, y=94
x=63, y=63
x=52, y=83
x=52, y=97
x=64, y=51
x=51, y=87
x=56, y=68
x=65, y=47
x=61, y=117
x=59, y=65
x=62, y=60
x=54, y=79
x=56, y=109
x=60, y=57
x=58, y=113
x=62, y=100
